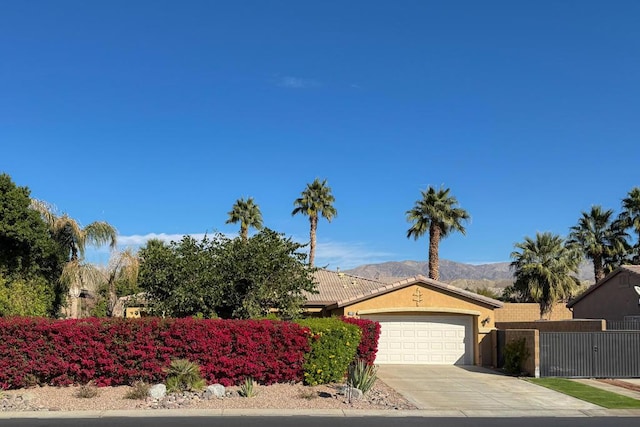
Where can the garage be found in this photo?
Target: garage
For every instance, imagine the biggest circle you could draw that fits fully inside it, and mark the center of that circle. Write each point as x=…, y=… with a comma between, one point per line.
x=423, y=321
x=424, y=339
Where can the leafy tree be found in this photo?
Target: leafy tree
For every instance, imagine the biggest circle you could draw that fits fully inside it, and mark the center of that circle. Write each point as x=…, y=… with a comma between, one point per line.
x=630, y=218
x=178, y=277
x=601, y=239
x=544, y=269
x=30, y=259
x=437, y=212
x=26, y=297
x=223, y=277
x=266, y=273
x=26, y=247
x=316, y=200
x=248, y=214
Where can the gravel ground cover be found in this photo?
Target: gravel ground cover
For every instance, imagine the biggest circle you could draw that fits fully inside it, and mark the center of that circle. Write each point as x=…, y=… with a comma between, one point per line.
x=277, y=396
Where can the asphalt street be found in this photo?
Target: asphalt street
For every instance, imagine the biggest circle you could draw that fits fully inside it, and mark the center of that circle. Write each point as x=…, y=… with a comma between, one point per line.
x=313, y=421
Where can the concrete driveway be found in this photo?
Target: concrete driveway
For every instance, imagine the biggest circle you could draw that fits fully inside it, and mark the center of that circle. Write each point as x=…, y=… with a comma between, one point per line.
x=477, y=391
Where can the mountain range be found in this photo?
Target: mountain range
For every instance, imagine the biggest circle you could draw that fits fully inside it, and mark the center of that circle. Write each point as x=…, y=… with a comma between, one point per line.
x=494, y=275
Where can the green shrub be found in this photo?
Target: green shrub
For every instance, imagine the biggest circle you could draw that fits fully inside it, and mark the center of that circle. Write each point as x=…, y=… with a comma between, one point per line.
x=515, y=354
x=362, y=375
x=333, y=347
x=184, y=375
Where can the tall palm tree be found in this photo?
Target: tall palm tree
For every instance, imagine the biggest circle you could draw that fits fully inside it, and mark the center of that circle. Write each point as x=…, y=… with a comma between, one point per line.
x=316, y=199
x=437, y=212
x=546, y=268
x=630, y=217
x=600, y=238
x=248, y=214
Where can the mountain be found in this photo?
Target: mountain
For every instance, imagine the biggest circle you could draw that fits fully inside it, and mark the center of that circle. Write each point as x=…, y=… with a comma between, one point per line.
x=495, y=275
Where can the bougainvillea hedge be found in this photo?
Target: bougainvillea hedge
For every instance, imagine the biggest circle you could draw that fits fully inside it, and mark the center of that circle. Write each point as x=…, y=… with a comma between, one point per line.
x=121, y=351
x=368, y=346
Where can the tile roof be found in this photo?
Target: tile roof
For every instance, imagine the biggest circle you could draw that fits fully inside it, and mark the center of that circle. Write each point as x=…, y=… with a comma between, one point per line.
x=340, y=289
x=634, y=269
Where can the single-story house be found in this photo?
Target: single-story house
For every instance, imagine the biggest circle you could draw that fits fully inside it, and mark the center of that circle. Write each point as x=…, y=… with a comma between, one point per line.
x=615, y=298
x=423, y=321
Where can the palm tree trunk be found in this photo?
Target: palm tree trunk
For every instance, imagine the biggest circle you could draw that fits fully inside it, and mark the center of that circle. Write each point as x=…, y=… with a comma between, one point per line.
x=434, y=241
x=244, y=232
x=313, y=220
x=598, y=269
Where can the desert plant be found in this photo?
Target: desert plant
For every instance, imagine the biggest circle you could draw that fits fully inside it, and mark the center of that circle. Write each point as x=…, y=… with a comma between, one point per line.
x=307, y=393
x=362, y=375
x=87, y=391
x=183, y=375
x=247, y=388
x=139, y=390
x=515, y=354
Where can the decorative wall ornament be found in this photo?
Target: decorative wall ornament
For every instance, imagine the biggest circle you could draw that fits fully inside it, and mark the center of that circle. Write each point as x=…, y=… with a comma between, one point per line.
x=417, y=296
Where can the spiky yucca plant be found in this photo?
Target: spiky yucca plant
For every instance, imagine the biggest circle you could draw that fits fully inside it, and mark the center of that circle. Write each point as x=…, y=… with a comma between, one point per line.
x=184, y=375
x=362, y=375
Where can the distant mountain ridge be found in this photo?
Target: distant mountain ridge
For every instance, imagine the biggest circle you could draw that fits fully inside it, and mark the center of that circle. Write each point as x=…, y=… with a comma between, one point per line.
x=490, y=275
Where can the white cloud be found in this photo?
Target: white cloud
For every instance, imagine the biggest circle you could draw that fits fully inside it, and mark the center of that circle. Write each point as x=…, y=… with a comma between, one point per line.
x=139, y=240
x=330, y=254
x=348, y=255
x=296, y=82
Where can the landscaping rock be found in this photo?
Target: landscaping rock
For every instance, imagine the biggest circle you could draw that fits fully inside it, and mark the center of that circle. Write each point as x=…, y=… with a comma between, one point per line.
x=351, y=393
x=158, y=391
x=215, y=391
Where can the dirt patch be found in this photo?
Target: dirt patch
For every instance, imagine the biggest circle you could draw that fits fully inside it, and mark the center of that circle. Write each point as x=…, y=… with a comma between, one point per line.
x=622, y=384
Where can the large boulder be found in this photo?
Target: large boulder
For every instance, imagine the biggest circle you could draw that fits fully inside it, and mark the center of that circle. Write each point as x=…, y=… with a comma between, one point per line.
x=214, y=391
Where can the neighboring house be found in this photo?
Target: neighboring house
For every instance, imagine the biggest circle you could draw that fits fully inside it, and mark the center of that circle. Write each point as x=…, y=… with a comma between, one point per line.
x=614, y=298
x=423, y=321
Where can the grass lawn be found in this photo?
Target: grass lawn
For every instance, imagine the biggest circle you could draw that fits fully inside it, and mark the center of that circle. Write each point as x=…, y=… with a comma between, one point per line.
x=603, y=398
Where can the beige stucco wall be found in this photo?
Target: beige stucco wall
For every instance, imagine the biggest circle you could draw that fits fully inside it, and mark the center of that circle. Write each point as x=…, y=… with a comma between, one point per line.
x=612, y=300
x=572, y=325
x=525, y=312
x=420, y=299
x=531, y=366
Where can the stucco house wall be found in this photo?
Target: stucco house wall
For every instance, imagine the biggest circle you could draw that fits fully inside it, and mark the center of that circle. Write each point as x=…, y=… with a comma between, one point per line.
x=613, y=298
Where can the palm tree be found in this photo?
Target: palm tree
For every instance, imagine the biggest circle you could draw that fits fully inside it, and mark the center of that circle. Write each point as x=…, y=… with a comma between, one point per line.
x=438, y=213
x=248, y=214
x=630, y=217
x=600, y=239
x=74, y=238
x=316, y=200
x=546, y=268
x=71, y=235
x=123, y=267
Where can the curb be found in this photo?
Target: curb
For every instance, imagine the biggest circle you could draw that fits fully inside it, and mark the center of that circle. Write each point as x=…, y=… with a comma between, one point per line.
x=336, y=413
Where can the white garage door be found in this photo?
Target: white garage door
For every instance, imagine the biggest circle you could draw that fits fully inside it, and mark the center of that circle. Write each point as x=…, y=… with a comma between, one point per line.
x=429, y=340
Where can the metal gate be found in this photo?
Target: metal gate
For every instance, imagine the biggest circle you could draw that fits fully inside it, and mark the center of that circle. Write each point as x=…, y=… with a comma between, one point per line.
x=608, y=354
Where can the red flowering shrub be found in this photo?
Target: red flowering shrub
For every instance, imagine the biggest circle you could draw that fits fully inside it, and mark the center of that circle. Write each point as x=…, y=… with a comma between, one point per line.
x=121, y=351
x=369, y=342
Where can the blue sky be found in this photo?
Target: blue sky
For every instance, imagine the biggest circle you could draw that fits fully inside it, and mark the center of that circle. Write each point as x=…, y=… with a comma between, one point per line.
x=156, y=116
